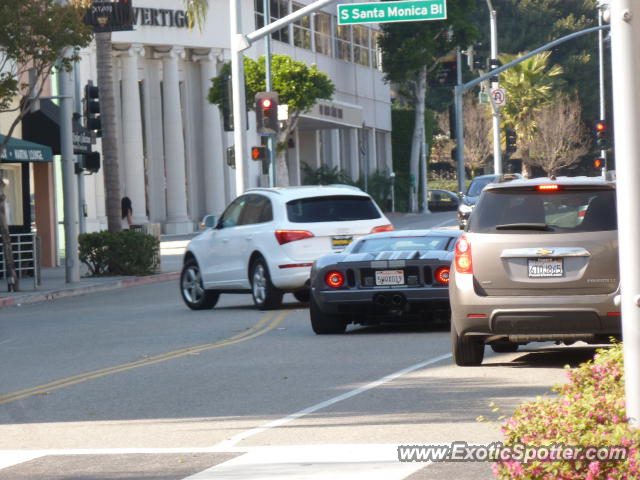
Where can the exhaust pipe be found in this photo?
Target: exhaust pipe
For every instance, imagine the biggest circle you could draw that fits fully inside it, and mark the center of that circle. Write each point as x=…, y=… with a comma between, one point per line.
x=397, y=300
x=380, y=300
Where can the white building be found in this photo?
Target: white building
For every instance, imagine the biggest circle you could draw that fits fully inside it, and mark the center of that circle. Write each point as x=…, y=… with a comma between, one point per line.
x=171, y=141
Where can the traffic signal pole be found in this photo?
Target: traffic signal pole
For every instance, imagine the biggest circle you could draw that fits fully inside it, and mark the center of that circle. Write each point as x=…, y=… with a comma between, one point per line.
x=603, y=151
x=497, y=151
x=271, y=151
x=625, y=38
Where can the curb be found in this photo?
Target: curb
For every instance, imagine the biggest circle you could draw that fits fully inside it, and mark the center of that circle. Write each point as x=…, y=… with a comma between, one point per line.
x=83, y=290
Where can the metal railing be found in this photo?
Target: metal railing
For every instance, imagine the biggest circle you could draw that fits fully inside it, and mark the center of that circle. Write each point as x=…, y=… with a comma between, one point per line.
x=26, y=257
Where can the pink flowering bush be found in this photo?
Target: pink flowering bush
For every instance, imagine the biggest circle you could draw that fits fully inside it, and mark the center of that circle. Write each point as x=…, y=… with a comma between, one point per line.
x=589, y=411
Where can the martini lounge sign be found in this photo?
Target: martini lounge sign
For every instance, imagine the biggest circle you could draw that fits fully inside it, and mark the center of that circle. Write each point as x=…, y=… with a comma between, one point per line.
x=106, y=16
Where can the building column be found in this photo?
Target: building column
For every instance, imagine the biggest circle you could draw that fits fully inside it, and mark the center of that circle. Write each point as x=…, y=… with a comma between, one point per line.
x=177, y=219
x=372, y=151
x=334, y=148
x=213, y=158
x=354, y=154
x=133, y=151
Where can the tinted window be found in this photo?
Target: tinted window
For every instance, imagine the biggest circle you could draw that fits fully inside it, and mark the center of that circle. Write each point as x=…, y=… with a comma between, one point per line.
x=477, y=185
x=231, y=215
x=257, y=209
x=565, y=211
x=331, y=209
x=396, y=244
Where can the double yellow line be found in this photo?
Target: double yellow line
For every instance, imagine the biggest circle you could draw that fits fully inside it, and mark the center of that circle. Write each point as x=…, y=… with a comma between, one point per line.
x=267, y=322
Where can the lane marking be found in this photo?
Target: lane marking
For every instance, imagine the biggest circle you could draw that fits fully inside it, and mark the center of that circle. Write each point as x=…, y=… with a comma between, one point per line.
x=234, y=440
x=446, y=223
x=260, y=328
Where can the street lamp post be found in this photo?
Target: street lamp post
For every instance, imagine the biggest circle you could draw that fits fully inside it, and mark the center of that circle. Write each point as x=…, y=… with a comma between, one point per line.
x=497, y=153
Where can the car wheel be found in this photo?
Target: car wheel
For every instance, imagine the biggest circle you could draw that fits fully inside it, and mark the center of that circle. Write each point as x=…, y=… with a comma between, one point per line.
x=265, y=295
x=467, y=350
x=193, y=293
x=302, y=295
x=504, y=346
x=323, y=323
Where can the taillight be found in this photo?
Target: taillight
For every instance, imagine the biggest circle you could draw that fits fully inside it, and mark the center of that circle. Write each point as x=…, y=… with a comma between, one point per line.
x=549, y=187
x=334, y=279
x=286, y=236
x=462, y=257
x=382, y=228
x=442, y=275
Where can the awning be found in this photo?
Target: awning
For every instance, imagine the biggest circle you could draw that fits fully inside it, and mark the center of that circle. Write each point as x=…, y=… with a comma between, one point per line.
x=21, y=151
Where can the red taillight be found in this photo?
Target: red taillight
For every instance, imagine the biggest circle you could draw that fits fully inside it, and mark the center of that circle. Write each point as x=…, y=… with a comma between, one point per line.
x=442, y=275
x=548, y=188
x=286, y=236
x=462, y=258
x=334, y=279
x=382, y=228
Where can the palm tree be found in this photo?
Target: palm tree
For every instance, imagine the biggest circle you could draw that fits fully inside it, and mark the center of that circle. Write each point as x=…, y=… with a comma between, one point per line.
x=529, y=86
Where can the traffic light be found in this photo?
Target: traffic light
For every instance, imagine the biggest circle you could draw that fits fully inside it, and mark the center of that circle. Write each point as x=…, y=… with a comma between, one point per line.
x=446, y=76
x=258, y=153
x=601, y=134
x=91, y=103
x=91, y=162
x=511, y=138
x=267, y=113
x=227, y=104
x=599, y=162
x=493, y=64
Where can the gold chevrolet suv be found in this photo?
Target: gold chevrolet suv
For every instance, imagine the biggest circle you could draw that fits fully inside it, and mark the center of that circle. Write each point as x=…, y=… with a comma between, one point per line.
x=538, y=262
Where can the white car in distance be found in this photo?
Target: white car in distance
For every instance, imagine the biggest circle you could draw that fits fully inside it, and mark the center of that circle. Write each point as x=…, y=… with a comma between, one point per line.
x=267, y=239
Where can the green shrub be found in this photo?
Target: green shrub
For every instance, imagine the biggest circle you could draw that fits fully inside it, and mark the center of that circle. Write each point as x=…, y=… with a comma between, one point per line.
x=119, y=253
x=589, y=411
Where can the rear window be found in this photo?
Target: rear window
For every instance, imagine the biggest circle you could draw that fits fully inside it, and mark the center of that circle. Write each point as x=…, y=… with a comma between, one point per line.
x=341, y=208
x=477, y=185
x=565, y=211
x=401, y=244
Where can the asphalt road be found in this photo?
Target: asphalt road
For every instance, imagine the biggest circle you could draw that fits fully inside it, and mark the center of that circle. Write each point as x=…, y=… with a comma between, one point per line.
x=131, y=384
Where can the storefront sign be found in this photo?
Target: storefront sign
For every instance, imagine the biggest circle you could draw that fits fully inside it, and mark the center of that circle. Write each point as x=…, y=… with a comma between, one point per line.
x=160, y=17
x=110, y=16
x=20, y=151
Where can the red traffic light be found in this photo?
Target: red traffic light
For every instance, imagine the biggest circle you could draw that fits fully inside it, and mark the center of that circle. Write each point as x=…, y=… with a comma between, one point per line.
x=258, y=153
x=601, y=126
x=598, y=162
x=266, y=103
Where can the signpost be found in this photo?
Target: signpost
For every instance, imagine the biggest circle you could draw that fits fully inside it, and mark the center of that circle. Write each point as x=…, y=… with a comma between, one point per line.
x=385, y=12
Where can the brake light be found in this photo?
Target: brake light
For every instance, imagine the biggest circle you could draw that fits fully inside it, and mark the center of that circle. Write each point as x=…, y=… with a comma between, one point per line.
x=442, y=275
x=382, y=228
x=462, y=257
x=286, y=236
x=548, y=188
x=334, y=279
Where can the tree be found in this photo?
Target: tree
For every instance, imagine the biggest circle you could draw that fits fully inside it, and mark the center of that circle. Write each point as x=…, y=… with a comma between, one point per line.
x=299, y=86
x=33, y=35
x=412, y=51
x=560, y=137
x=529, y=86
x=477, y=131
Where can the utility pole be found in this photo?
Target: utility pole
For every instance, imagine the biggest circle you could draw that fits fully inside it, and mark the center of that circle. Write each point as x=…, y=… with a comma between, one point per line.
x=459, y=125
x=603, y=151
x=72, y=264
x=625, y=38
x=77, y=108
x=271, y=153
x=497, y=151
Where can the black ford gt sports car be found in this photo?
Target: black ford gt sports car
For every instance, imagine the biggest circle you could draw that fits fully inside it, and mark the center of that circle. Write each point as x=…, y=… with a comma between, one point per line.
x=383, y=277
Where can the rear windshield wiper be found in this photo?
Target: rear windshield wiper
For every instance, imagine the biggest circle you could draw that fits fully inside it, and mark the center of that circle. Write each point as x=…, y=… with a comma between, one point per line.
x=523, y=226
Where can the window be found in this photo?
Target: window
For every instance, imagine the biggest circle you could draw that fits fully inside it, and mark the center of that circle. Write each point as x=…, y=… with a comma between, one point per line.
x=376, y=53
x=331, y=209
x=323, y=33
x=231, y=215
x=277, y=10
x=401, y=244
x=257, y=209
x=343, y=42
x=561, y=212
x=259, y=13
x=361, y=52
x=301, y=29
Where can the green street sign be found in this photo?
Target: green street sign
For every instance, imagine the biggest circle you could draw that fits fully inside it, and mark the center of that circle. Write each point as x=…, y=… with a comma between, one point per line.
x=384, y=12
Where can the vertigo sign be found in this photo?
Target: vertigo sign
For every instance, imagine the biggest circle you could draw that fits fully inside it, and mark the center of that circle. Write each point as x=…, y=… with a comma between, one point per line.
x=384, y=12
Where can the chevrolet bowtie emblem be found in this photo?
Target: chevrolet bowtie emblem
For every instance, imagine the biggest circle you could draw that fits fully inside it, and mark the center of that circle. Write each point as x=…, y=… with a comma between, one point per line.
x=544, y=251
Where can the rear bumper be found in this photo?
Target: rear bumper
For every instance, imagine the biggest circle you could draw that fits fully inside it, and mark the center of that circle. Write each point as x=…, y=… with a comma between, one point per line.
x=382, y=301
x=534, y=318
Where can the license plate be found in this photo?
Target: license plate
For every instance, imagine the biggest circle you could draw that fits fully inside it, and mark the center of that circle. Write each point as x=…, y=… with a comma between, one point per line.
x=389, y=277
x=341, y=242
x=545, y=267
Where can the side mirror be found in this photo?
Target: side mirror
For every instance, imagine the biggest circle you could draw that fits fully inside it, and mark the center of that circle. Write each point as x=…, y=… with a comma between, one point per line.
x=208, y=221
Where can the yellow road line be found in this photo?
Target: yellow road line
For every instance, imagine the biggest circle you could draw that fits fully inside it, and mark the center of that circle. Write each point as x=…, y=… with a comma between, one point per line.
x=266, y=323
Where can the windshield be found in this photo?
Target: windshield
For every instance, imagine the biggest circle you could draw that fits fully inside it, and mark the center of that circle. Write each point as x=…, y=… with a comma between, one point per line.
x=341, y=208
x=565, y=211
x=477, y=185
x=397, y=244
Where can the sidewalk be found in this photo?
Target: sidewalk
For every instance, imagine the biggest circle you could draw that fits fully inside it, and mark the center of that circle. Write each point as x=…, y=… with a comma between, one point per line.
x=53, y=282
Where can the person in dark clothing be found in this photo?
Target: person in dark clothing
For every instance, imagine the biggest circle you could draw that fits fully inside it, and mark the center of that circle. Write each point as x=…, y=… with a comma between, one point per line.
x=127, y=211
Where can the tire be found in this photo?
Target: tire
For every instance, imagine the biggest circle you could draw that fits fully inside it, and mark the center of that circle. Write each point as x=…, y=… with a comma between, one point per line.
x=302, y=295
x=504, y=346
x=191, y=289
x=265, y=295
x=324, y=323
x=467, y=351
